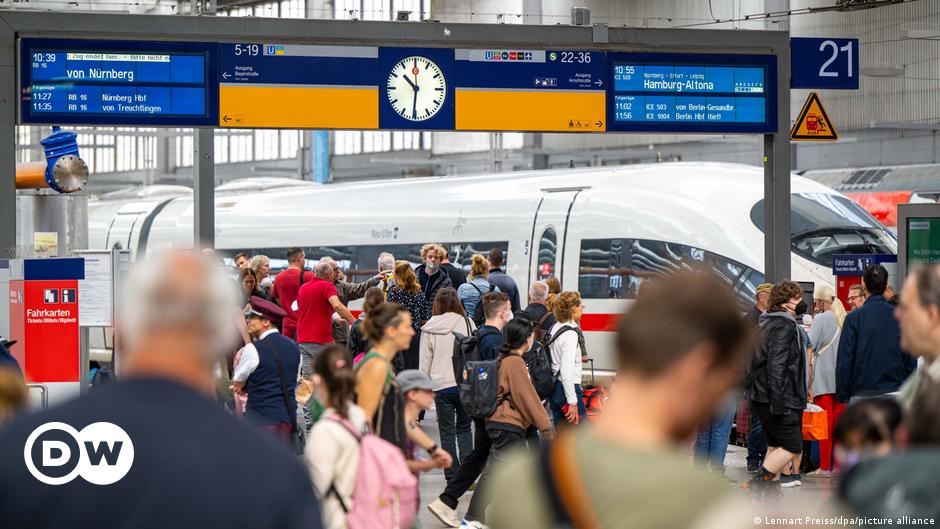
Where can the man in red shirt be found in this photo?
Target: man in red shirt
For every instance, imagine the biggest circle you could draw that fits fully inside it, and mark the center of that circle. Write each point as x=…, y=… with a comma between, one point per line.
x=316, y=302
x=286, y=286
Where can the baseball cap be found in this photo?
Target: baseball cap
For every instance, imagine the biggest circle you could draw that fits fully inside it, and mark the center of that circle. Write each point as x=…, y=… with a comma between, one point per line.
x=411, y=379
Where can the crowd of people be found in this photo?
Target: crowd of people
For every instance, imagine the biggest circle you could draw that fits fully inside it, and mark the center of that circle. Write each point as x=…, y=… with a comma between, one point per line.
x=298, y=377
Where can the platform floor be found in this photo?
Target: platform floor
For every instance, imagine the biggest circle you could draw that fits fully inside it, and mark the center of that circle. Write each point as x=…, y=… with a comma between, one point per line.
x=813, y=492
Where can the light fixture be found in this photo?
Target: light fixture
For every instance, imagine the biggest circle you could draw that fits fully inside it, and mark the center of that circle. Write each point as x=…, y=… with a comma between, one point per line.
x=882, y=71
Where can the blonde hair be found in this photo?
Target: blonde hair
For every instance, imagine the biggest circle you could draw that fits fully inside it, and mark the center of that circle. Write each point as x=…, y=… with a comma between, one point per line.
x=406, y=278
x=479, y=266
x=564, y=305
x=436, y=248
x=14, y=396
x=825, y=293
x=554, y=288
x=257, y=262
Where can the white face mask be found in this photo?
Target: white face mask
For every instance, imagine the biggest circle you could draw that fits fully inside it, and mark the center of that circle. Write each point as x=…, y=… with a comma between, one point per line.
x=430, y=266
x=508, y=316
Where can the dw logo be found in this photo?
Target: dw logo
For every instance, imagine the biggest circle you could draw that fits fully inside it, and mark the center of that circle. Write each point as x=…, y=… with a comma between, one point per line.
x=101, y=453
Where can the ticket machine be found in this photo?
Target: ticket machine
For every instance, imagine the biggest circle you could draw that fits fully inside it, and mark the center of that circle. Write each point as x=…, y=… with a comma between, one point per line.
x=43, y=309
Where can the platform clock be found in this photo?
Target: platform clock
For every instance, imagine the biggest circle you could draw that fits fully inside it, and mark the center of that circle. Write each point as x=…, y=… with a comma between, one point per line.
x=416, y=88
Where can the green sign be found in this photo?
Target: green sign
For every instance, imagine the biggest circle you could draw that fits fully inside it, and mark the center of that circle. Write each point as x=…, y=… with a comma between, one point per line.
x=923, y=240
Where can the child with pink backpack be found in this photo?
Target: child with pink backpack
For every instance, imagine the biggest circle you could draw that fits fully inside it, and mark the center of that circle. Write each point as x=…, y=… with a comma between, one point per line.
x=362, y=480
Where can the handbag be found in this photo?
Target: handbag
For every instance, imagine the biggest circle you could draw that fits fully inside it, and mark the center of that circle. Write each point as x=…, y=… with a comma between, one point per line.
x=815, y=423
x=297, y=439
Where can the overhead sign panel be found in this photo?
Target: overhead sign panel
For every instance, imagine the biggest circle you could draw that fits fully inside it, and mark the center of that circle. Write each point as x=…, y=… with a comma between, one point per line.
x=114, y=83
x=691, y=93
x=824, y=63
x=537, y=90
x=813, y=123
x=294, y=86
x=264, y=85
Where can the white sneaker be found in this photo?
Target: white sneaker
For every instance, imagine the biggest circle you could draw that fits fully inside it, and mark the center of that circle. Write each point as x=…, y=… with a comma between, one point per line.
x=445, y=514
x=465, y=524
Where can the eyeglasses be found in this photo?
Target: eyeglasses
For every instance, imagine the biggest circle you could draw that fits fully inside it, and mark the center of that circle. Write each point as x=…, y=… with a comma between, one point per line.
x=853, y=298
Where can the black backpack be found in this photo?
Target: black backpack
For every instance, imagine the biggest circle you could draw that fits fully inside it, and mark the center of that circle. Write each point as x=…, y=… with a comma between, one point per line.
x=540, y=370
x=478, y=393
x=479, y=316
x=466, y=349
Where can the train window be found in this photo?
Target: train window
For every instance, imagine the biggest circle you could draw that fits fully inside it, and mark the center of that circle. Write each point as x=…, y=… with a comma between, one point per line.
x=824, y=224
x=617, y=268
x=548, y=246
x=361, y=262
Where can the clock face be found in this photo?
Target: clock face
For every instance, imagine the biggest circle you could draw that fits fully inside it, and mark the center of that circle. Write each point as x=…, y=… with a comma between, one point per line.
x=416, y=88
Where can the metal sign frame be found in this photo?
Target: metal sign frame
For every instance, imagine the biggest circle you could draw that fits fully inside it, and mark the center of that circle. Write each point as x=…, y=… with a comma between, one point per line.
x=905, y=213
x=20, y=24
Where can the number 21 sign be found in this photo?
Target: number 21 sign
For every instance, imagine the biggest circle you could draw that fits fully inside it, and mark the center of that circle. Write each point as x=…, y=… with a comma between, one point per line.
x=824, y=63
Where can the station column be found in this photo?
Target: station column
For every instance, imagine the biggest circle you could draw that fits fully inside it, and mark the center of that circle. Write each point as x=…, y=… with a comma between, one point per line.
x=777, y=176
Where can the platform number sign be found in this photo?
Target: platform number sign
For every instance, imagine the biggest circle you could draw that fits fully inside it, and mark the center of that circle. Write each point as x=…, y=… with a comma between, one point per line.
x=824, y=63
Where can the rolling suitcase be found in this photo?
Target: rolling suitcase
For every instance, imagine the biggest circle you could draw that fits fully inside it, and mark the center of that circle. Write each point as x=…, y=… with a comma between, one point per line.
x=595, y=397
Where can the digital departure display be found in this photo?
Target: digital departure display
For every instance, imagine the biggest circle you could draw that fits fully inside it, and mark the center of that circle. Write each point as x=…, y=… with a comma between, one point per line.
x=135, y=83
x=677, y=93
x=923, y=241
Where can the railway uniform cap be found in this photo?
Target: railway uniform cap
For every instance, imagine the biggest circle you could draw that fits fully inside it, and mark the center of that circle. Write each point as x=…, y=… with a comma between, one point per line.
x=765, y=287
x=411, y=379
x=265, y=309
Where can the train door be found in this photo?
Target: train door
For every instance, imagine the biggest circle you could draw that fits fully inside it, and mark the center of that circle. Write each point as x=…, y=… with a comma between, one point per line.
x=549, y=233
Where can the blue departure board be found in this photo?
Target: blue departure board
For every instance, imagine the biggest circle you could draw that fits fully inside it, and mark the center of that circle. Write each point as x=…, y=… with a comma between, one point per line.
x=117, y=83
x=691, y=93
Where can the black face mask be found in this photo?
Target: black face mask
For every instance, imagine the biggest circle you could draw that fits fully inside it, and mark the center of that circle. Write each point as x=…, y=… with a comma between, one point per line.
x=800, y=308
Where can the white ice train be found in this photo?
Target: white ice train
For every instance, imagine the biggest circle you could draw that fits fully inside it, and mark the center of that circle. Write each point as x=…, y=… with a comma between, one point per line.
x=600, y=230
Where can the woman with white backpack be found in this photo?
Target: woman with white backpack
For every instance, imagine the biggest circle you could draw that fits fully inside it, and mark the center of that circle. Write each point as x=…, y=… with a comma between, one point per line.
x=332, y=451
x=824, y=335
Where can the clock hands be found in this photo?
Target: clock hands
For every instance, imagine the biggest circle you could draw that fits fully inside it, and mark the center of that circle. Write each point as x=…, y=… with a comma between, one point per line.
x=414, y=106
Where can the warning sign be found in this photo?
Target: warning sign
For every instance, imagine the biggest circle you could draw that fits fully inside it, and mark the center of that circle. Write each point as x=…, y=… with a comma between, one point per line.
x=813, y=124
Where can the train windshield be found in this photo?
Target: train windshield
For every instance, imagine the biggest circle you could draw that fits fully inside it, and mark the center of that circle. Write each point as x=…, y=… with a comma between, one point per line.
x=823, y=225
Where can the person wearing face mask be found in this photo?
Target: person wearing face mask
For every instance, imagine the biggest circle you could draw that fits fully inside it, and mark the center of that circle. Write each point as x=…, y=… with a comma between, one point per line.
x=430, y=274
x=776, y=389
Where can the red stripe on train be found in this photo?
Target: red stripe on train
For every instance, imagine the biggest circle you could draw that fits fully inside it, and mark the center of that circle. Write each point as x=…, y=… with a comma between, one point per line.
x=599, y=322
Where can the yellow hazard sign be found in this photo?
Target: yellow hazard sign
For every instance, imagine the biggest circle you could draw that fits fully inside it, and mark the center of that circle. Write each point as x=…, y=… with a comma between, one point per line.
x=813, y=124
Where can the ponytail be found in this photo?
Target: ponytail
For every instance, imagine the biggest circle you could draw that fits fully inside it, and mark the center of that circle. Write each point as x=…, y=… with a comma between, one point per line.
x=839, y=310
x=550, y=302
x=504, y=349
x=334, y=369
